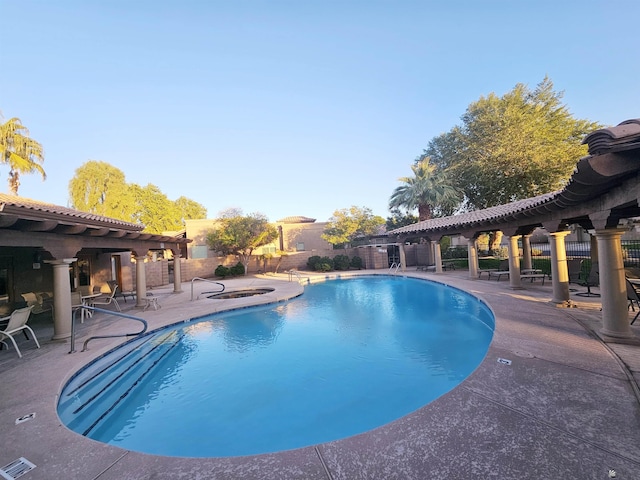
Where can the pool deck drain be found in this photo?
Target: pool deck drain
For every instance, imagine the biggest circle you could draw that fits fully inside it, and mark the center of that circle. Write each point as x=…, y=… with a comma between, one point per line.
x=564, y=407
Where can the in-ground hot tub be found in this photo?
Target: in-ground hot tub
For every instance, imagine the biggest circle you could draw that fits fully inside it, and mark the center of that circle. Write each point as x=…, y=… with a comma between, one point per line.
x=246, y=292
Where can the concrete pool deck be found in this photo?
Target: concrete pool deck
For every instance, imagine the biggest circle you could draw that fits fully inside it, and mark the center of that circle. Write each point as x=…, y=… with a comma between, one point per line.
x=550, y=400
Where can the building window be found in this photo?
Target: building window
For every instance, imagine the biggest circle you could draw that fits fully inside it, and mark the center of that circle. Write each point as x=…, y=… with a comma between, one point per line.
x=199, y=251
x=300, y=247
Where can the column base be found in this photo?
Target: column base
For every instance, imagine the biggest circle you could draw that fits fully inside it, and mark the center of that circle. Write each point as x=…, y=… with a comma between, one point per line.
x=563, y=304
x=615, y=336
x=61, y=336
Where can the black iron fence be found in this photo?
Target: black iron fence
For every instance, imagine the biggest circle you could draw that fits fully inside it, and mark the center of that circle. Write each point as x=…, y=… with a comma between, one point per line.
x=541, y=255
x=582, y=250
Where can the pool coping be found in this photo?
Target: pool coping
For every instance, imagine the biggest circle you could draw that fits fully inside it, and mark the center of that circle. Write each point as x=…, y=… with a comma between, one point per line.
x=503, y=421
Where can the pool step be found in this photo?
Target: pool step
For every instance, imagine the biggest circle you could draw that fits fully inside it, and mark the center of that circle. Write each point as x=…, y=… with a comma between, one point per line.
x=96, y=391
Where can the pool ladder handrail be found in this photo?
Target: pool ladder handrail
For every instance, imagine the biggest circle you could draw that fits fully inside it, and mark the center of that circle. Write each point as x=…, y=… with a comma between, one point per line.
x=295, y=273
x=110, y=312
x=395, y=266
x=205, y=280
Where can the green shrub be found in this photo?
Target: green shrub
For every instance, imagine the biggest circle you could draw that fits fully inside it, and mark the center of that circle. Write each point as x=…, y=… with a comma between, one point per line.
x=222, y=271
x=237, y=269
x=356, y=262
x=456, y=252
x=325, y=264
x=311, y=263
x=341, y=262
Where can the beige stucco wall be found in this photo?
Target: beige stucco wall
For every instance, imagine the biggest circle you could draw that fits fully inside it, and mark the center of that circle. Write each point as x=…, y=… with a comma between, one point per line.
x=293, y=235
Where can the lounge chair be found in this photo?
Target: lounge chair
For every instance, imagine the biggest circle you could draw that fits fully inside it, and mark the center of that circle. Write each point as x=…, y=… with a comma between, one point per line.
x=500, y=272
x=108, y=299
x=41, y=302
x=17, y=323
x=592, y=280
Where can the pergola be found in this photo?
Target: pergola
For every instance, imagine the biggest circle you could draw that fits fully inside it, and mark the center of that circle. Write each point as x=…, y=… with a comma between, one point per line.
x=57, y=234
x=604, y=189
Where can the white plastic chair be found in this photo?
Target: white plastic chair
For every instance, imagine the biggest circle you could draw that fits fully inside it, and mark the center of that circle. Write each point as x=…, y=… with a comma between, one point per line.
x=17, y=323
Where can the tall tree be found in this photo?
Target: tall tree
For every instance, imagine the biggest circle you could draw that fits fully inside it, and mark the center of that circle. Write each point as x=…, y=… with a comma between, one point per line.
x=20, y=152
x=349, y=223
x=399, y=219
x=429, y=190
x=154, y=210
x=508, y=148
x=100, y=188
x=189, y=209
x=236, y=234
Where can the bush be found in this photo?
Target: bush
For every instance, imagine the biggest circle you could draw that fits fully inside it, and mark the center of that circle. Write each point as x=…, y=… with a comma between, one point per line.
x=311, y=263
x=237, y=269
x=222, y=271
x=456, y=252
x=325, y=264
x=356, y=262
x=341, y=262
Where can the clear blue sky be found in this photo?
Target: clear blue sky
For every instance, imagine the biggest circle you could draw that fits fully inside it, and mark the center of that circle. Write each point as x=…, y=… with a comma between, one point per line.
x=290, y=107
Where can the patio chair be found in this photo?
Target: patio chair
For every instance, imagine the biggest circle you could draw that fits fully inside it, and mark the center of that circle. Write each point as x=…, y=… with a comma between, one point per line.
x=592, y=280
x=633, y=296
x=108, y=299
x=17, y=323
x=574, y=269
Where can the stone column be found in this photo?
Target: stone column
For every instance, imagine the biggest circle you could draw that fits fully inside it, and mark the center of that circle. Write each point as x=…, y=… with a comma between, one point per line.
x=61, y=298
x=472, y=256
x=559, y=270
x=526, y=252
x=141, y=282
x=514, y=263
x=437, y=256
x=613, y=288
x=177, y=274
x=403, y=256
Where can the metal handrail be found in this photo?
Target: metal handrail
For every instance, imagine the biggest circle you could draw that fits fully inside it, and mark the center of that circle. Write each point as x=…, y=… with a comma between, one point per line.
x=396, y=265
x=205, y=280
x=295, y=273
x=102, y=310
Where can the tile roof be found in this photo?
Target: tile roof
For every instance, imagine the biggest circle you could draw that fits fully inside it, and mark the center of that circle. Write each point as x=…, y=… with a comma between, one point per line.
x=296, y=219
x=478, y=217
x=624, y=136
x=36, y=207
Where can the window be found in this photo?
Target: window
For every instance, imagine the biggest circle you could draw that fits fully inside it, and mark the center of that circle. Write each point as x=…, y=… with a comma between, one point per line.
x=199, y=251
x=300, y=247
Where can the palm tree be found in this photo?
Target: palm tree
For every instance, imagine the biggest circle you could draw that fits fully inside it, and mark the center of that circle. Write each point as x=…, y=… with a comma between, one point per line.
x=428, y=190
x=21, y=153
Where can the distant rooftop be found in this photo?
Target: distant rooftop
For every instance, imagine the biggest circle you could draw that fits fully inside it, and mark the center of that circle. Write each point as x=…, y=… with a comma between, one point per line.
x=296, y=219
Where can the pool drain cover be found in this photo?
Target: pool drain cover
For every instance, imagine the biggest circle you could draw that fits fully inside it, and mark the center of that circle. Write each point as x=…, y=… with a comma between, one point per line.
x=16, y=469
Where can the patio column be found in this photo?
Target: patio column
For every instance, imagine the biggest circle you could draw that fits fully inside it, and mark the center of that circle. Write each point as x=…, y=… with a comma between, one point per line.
x=526, y=252
x=177, y=274
x=61, y=298
x=559, y=270
x=472, y=257
x=613, y=289
x=437, y=255
x=141, y=281
x=403, y=256
x=514, y=263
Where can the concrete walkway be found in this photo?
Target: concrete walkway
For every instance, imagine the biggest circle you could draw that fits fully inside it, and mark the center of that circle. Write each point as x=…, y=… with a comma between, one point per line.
x=564, y=405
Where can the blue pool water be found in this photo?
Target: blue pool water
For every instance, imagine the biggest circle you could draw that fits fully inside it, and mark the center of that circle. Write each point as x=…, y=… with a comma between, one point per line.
x=344, y=358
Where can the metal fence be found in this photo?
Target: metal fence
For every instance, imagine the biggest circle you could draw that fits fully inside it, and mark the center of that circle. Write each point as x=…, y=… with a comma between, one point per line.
x=630, y=251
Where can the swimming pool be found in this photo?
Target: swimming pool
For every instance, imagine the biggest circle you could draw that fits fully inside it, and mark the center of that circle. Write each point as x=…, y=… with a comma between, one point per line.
x=344, y=358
